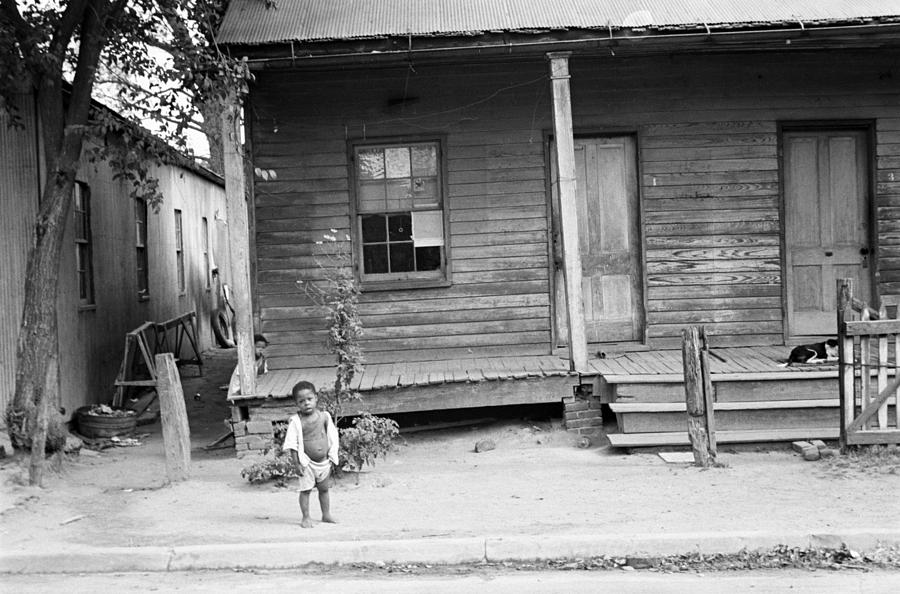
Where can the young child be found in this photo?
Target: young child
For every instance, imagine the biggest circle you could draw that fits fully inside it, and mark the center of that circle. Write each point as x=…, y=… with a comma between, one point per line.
x=312, y=439
x=260, y=342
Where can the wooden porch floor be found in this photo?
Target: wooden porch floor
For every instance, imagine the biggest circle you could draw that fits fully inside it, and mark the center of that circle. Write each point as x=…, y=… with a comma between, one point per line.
x=734, y=362
x=382, y=376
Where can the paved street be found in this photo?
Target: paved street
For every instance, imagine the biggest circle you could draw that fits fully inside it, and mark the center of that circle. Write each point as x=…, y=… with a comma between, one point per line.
x=794, y=581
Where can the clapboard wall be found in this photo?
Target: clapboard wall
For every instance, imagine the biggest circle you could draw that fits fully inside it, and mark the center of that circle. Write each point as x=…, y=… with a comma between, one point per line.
x=708, y=137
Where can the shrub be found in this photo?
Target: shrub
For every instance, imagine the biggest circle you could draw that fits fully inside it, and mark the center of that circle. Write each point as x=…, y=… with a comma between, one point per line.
x=368, y=438
x=279, y=468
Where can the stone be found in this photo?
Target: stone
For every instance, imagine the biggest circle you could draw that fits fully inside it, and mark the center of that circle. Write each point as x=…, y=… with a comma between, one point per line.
x=485, y=445
x=828, y=452
x=73, y=444
x=819, y=444
x=800, y=446
x=811, y=454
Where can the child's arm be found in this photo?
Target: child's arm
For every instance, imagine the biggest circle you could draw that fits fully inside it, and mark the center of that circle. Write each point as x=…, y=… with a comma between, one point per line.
x=295, y=459
x=331, y=433
x=293, y=442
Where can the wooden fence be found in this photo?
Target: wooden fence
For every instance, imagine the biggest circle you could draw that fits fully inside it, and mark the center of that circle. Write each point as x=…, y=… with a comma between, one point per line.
x=868, y=348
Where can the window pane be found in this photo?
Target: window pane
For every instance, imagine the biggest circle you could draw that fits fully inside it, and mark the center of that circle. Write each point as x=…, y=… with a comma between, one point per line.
x=402, y=257
x=370, y=163
x=371, y=197
x=428, y=258
x=396, y=162
x=80, y=226
x=373, y=229
x=375, y=259
x=425, y=192
x=399, y=196
x=424, y=160
x=400, y=227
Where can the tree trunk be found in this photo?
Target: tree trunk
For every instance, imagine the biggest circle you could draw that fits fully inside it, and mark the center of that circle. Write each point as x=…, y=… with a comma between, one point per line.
x=63, y=129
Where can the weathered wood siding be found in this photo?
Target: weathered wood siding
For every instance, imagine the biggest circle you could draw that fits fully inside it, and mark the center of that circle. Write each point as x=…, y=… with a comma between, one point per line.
x=499, y=301
x=710, y=178
x=708, y=137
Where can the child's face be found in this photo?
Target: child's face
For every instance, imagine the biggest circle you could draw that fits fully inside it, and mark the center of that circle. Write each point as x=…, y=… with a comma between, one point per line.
x=306, y=401
x=260, y=347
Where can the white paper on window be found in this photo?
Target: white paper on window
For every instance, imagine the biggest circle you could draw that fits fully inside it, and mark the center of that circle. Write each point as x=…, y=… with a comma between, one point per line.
x=427, y=228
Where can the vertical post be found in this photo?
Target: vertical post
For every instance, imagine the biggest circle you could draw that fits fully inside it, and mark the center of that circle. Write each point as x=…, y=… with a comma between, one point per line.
x=845, y=357
x=239, y=243
x=173, y=416
x=568, y=216
x=698, y=395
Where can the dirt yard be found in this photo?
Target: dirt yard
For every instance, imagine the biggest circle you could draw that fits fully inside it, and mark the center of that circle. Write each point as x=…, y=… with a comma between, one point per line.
x=535, y=482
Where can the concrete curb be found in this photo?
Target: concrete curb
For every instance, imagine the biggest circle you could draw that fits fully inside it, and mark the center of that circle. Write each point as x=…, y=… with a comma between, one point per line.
x=288, y=555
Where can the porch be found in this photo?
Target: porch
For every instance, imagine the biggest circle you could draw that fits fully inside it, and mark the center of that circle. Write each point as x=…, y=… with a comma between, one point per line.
x=756, y=399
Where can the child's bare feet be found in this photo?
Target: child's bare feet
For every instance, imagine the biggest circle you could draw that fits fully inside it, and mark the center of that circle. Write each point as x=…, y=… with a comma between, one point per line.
x=306, y=523
x=328, y=519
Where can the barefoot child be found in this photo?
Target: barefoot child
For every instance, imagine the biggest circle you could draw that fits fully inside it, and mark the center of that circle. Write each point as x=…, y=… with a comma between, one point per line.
x=312, y=439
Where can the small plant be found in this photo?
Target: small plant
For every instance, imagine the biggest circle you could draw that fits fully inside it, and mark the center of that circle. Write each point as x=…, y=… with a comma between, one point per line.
x=280, y=468
x=368, y=438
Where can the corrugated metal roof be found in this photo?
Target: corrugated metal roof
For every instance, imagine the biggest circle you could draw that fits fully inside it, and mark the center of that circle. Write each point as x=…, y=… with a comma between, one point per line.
x=251, y=22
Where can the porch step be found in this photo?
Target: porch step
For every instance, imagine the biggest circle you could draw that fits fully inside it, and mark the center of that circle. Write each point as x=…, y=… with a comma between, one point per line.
x=645, y=407
x=637, y=440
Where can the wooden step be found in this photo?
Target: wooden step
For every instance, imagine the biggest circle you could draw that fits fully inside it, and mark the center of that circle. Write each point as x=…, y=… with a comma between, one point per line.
x=645, y=407
x=637, y=440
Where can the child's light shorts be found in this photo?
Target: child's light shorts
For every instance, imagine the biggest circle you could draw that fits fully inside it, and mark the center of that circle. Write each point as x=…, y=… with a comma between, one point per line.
x=317, y=473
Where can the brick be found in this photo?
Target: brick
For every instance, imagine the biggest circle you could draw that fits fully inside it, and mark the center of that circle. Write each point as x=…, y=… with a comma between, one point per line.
x=799, y=446
x=577, y=424
x=818, y=444
x=239, y=428
x=254, y=442
x=590, y=414
x=578, y=405
x=259, y=427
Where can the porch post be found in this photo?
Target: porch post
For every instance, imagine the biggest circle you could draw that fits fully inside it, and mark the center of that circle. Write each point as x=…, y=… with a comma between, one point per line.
x=239, y=243
x=568, y=217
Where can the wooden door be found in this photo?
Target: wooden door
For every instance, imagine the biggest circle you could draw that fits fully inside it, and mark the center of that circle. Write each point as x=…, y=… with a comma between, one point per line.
x=826, y=194
x=608, y=231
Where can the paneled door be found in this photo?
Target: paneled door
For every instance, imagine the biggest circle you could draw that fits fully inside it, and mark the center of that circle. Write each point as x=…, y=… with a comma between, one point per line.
x=826, y=208
x=608, y=231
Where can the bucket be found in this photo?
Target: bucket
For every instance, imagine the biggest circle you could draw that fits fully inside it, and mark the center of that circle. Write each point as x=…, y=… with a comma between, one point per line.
x=104, y=425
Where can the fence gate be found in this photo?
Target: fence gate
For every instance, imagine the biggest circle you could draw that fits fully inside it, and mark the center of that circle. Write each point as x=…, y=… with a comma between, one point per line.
x=868, y=345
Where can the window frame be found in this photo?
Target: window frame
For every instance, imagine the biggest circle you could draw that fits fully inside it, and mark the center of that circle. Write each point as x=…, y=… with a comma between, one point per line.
x=401, y=280
x=204, y=246
x=142, y=260
x=180, y=275
x=84, y=246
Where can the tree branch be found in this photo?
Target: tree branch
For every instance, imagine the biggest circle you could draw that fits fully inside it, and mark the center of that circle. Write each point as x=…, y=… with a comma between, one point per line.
x=24, y=31
x=62, y=35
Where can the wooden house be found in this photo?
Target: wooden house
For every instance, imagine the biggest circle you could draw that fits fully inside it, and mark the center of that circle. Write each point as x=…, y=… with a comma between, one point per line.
x=672, y=164
x=126, y=263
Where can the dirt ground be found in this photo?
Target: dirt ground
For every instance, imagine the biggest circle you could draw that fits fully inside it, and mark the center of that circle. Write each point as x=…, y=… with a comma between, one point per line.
x=535, y=482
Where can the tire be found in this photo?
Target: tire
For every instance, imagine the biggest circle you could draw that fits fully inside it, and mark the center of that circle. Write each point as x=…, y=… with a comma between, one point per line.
x=221, y=329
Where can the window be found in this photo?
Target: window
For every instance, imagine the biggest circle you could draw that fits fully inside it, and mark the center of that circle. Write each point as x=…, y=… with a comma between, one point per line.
x=400, y=212
x=179, y=251
x=84, y=267
x=140, y=225
x=204, y=229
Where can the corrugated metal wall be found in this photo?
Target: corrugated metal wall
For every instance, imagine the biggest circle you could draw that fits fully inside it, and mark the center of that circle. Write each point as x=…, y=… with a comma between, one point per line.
x=91, y=338
x=19, y=192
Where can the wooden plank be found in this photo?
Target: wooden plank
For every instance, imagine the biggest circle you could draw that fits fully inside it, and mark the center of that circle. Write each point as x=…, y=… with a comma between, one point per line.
x=174, y=419
x=634, y=407
x=622, y=440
